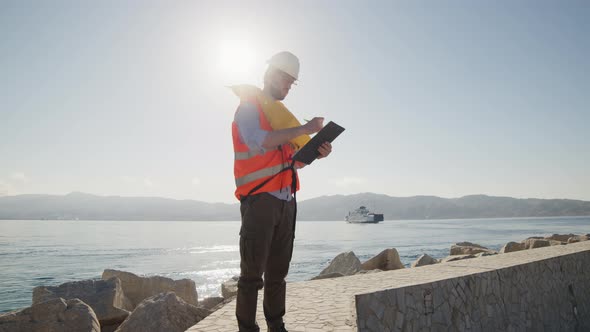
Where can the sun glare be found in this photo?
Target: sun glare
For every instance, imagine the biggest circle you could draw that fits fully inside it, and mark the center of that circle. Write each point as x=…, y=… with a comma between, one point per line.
x=236, y=60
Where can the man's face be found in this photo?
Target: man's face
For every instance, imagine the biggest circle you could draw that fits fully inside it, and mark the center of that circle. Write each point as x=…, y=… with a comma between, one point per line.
x=280, y=84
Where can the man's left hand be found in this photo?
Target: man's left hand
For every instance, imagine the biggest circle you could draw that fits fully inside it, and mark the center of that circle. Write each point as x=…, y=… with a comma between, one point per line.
x=324, y=150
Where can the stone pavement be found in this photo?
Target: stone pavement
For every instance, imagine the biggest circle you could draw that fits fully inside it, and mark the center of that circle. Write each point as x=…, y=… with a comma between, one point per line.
x=329, y=304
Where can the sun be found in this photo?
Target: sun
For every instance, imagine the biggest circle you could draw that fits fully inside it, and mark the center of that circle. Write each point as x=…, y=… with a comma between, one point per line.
x=236, y=60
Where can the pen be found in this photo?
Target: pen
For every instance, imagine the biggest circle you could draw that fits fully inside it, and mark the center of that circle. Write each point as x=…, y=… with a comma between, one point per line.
x=305, y=120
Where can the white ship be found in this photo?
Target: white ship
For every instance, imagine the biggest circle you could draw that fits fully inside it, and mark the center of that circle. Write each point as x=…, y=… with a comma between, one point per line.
x=363, y=216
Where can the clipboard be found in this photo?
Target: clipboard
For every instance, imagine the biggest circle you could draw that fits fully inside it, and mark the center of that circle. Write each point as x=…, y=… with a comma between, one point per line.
x=309, y=152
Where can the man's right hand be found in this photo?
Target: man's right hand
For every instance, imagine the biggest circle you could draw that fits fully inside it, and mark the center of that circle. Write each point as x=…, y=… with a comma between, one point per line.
x=314, y=125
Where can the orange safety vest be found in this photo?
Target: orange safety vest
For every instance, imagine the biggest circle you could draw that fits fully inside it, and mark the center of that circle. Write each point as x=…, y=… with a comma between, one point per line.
x=252, y=169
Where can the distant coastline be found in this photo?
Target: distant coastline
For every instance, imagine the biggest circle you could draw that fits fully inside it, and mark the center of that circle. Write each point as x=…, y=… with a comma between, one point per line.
x=305, y=220
x=82, y=206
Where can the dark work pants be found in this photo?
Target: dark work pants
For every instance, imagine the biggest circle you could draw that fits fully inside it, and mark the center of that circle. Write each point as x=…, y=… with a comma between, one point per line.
x=266, y=247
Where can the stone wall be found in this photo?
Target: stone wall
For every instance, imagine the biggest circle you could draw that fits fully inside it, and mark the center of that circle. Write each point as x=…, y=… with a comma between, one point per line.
x=545, y=289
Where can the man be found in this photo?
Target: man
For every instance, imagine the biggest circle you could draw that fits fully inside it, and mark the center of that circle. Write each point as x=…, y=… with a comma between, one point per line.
x=265, y=136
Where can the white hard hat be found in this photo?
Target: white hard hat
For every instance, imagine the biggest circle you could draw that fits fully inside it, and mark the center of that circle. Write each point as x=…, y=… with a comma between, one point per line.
x=286, y=62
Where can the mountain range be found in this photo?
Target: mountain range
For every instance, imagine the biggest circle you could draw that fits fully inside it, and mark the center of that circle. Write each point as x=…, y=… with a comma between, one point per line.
x=84, y=206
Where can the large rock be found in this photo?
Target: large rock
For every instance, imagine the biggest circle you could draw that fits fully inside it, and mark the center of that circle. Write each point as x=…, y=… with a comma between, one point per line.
x=556, y=243
x=229, y=288
x=56, y=315
x=109, y=328
x=328, y=276
x=138, y=288
x=578, y=238
x=512, y=246
x=163, y=312
x=468, y=248
x=346, y=263
x=386, y=260
x=210, y=302
x=425, y=259
x=486, y=253
x=453, y=258
x=559, y=237
x=105, y=297
x=368, y=271
x=536, y=242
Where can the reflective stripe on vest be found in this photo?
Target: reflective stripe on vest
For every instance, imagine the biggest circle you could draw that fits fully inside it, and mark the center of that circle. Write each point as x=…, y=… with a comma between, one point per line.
x=249, y=154
x=262, y=173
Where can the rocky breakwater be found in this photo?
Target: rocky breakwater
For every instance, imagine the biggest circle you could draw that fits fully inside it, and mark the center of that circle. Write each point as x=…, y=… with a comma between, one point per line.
x=347, y=263
x=120, y=301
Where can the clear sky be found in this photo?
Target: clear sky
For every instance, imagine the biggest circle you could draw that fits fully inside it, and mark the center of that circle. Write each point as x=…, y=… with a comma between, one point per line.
x=445, y=98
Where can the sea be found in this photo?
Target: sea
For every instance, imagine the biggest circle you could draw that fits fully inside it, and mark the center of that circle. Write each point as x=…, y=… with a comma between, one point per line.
x=51, y=252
